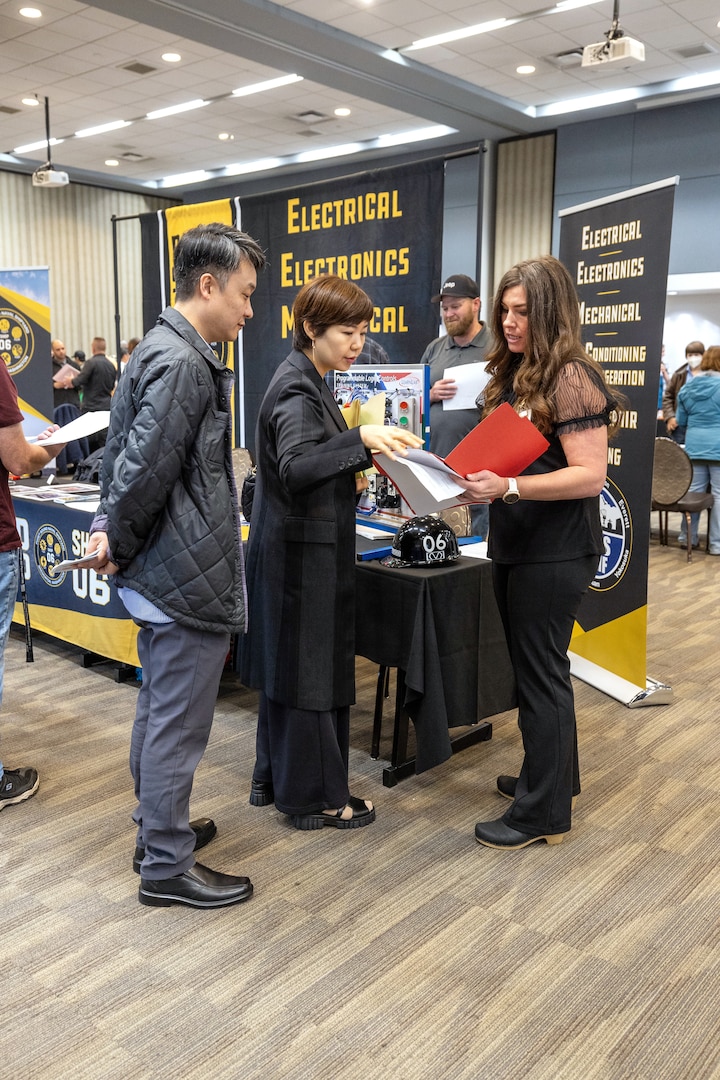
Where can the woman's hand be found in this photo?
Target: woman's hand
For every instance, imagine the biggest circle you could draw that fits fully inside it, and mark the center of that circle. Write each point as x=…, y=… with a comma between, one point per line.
x=387, y=439
x=485, y=486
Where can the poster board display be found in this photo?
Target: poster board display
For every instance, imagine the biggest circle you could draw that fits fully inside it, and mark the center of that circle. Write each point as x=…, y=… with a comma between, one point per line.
x=406, y=391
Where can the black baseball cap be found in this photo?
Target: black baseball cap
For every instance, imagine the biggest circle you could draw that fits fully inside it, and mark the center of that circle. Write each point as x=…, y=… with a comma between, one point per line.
x=458, y=285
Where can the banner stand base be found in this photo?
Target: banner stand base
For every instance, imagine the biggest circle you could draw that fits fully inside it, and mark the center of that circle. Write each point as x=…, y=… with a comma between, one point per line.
x=635, y=697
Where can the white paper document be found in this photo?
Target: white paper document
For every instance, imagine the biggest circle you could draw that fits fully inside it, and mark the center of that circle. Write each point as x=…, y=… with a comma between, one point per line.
x=86, y=424
x=470, y=380
x=74, y=564
x=425, y=482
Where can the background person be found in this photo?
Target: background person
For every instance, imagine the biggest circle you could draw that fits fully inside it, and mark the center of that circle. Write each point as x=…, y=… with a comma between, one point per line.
x=466, y=342
x=168, y=527
x=693, y=356
x=96, y=380
x=62, y=395
x=698, y=410
x=545, y=537
x=17, y=456
x=300, y=648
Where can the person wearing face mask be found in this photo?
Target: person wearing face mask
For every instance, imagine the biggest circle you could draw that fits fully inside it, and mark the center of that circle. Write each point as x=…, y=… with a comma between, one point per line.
x=699, y=411
x=693, y=357
x=300, y=647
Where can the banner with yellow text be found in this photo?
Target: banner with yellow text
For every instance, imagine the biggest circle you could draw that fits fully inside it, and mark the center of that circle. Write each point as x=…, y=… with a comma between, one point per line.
x=617, y=250
x=380, y=229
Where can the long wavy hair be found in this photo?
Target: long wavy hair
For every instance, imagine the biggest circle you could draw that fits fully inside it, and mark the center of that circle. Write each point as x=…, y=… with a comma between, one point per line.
x=553, y=340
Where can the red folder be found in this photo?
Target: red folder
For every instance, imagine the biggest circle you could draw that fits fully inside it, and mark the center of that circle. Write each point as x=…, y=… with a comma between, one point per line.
x=503, y=443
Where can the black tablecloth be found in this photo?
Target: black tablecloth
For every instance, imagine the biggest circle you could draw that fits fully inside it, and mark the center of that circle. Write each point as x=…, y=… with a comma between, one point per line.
x=440, y=626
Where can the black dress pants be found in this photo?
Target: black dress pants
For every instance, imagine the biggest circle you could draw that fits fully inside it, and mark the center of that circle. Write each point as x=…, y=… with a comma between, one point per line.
x=304, y=754
x=538, y=603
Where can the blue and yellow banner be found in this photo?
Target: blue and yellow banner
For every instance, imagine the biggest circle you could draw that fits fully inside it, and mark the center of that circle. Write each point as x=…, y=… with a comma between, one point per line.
x=25, y=342
x=617, y=250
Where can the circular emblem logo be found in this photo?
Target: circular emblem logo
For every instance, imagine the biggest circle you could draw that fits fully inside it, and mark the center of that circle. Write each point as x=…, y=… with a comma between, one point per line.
x=50, y=550
x=17, y=340
x=617, y=538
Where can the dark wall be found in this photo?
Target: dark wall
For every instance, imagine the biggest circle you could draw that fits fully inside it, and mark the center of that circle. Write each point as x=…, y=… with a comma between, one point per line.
x=602, y=157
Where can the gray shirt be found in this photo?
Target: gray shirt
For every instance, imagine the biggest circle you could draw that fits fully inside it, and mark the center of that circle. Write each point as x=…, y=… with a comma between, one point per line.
x=449, y=426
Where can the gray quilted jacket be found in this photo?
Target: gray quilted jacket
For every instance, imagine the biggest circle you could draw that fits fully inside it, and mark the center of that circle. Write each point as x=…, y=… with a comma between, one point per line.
x=169, y=504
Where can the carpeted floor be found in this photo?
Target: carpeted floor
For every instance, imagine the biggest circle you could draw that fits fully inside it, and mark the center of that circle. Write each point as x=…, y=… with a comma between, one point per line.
x=400, y=950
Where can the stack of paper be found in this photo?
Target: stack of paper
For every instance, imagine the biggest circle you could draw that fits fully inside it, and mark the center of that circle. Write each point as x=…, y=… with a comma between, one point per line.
x=503, y=443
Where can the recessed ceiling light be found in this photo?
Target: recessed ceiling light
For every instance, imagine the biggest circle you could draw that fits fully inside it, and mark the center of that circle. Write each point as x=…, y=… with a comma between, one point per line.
x=31, y=13
x=266, y=84
x=31, y=101
x=112, y=161
x=225, y=136
x=29, y=147
x=100, y=129
x=342, y=112
x=171, y=57
x=172, y=110
x=525, y=69
x=185, y=178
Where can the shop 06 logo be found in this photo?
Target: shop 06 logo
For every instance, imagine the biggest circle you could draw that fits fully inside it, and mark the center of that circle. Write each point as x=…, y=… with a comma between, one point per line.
x=49, y=548
x=16, y=340
x=616, y=526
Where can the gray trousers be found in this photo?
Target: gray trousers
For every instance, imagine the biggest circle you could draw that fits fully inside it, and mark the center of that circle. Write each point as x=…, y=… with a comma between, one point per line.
x=181, y=673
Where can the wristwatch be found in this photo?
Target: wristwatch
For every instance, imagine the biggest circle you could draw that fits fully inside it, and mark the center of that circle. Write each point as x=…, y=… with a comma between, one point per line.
x=512, y=494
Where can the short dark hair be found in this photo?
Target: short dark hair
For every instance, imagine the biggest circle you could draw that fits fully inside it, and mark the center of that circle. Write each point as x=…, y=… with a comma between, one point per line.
x=328, y=301
x=696, y=348
x=212, y=249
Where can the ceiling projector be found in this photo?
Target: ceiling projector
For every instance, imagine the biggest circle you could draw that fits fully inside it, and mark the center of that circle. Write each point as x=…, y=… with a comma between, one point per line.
x=50, y=178
x=619, y=48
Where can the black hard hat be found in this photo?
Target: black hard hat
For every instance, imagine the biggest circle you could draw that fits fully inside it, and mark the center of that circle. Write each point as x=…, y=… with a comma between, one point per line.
x=423, y=541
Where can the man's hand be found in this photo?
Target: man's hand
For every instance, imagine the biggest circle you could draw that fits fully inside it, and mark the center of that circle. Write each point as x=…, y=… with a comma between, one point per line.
x=98, y=543
x=443, y=390
x=671, y=424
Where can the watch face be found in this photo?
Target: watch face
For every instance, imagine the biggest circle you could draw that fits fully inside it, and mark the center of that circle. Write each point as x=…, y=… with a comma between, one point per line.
x=510, y=497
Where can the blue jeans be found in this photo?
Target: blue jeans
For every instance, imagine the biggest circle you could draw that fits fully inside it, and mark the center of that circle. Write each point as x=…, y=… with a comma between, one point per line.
x=706, y=474
x=9, y=573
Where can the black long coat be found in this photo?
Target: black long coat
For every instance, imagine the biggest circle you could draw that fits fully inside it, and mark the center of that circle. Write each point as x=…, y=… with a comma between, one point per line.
x=300, y=648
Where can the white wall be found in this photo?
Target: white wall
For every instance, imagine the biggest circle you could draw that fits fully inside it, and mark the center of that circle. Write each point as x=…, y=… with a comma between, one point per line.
x=690, y=317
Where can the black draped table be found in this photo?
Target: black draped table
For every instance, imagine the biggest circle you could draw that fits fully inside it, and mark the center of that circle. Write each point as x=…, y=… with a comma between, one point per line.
x=440, y=627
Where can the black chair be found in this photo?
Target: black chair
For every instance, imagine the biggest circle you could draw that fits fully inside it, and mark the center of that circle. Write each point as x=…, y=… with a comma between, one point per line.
x=672, y=476
x=76, y=450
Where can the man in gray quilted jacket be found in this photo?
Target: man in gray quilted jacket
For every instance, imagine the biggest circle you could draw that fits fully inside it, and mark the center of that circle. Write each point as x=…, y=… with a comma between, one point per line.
x=168, y=528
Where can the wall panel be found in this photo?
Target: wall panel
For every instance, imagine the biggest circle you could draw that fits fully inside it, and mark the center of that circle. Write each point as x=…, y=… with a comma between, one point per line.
x=69, y=229
x=524, y=200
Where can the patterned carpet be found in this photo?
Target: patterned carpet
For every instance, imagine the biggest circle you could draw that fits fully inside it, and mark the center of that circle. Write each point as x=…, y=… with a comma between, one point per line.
x=401, y=950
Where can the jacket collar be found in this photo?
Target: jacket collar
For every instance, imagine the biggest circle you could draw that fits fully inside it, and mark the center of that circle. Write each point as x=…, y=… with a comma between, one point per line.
x=300, y=361
x=171, y=317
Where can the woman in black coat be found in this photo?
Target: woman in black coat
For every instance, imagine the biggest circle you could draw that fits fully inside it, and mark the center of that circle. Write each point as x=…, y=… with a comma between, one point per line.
x=300, y=650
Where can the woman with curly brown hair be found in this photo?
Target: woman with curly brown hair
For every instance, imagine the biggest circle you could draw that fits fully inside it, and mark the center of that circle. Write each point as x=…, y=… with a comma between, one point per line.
x=545, y=536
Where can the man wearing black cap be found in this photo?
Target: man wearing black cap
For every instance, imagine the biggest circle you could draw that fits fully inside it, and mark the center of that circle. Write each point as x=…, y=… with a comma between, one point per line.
x=466, y=342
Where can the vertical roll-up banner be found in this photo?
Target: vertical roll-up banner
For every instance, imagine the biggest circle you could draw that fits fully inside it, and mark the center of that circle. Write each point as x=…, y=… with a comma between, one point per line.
x=617, y=250
x=160, y=233
x=380, y=229
x=25, y=342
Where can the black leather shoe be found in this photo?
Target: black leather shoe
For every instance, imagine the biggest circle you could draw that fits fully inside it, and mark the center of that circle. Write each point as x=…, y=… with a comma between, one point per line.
x=506, y=786
x=204, y=829
x=261, y=793
x=197, y=887
x=497, y=834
